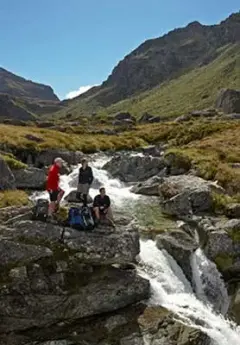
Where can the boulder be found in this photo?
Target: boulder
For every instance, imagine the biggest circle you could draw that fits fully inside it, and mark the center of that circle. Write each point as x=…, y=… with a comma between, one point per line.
x=180, y=246
x=204, y=113
x=149, y=187
x=185, y=194
x=229, y=101
x=134, y=168
x=46, y=158
x=223, y=246
x=232, y=117
x=51, y=277
x=123, y=122
x=30, y=178
x=147, y=118
x=7, y=180
x=101, y=245
x=124, y=116
x=183, y=118
x=233, y=210
x=151, y=150
x=72, y=197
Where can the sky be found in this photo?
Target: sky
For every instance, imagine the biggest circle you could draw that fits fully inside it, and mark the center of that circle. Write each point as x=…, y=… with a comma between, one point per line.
x=74, y=44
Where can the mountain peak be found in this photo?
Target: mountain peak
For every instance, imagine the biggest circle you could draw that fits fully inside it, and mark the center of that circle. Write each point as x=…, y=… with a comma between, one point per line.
x=17, y=86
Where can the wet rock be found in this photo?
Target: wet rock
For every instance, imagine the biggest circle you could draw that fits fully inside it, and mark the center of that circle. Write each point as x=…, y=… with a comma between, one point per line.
x=72, y=197
x=180, y=246
x=134, y=168
x=7, y=179
x=223, y=246
x=30, y=178
x=149, y=187
x=186, y=194
x=234, y=309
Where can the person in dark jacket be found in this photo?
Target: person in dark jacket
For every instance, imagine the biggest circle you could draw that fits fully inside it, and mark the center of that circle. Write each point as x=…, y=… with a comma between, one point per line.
x=102, y=207
x=85, y=179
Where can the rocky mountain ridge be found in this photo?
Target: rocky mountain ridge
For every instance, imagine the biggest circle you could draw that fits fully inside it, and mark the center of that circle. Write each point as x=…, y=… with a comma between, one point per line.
x=162, y=59
x=16, y=86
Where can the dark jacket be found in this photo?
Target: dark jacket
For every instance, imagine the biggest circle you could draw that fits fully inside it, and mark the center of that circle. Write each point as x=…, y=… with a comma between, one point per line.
x=100, y=201
x=85, y=175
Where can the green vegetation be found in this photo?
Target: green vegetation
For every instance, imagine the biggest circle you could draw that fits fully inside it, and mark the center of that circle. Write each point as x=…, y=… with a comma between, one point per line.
x=12, y=162
x=210, y=147
x=196, y=89
x=235, y=235
x=223, y=261
x=13, y=198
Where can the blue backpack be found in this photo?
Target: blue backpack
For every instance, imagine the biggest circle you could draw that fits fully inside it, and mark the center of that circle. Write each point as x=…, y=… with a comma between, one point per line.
x=80, y=218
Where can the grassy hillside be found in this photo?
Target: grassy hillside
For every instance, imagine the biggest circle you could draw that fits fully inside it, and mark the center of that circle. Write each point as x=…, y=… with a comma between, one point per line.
x=196, y=89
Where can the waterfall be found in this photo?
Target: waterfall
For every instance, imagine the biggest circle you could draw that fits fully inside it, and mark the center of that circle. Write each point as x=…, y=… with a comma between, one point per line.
x=169, y=286
x=171, y=290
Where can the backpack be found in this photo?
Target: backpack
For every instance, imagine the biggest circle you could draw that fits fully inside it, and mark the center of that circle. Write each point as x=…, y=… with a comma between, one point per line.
x=87, y=217
x=40, y=210
x=80, y=218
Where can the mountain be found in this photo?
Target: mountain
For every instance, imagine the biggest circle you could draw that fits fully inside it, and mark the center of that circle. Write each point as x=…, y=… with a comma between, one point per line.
x=16, y=86
x=25, y=100
x=197, y=54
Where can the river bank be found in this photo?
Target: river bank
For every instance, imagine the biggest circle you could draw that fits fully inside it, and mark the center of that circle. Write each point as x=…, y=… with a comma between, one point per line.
x=172, y=268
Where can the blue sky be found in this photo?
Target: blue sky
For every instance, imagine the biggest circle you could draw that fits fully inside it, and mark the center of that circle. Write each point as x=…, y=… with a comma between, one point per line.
x=76, y=43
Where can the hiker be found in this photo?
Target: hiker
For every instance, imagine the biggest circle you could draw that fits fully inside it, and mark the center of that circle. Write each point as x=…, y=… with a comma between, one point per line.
x=55, y=192
x=102, y=207
x=85, y=179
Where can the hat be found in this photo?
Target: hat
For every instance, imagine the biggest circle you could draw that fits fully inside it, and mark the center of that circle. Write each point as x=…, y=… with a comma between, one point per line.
x=58, y=160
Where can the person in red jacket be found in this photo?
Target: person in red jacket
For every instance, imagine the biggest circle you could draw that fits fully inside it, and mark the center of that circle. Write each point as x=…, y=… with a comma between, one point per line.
x=55, y=192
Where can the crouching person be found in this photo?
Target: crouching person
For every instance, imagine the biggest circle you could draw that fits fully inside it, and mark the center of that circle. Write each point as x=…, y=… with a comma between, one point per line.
x=102, y=207
x=55, y=192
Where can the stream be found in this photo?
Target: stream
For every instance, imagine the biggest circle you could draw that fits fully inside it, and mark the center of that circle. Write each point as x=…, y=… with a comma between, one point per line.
x=169, y=286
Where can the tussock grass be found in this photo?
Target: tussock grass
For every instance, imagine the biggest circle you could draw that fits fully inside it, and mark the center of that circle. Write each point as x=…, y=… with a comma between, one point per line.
x=13, y=198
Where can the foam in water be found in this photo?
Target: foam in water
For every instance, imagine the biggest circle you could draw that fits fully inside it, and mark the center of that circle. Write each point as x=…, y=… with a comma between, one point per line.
x=171, y=290
x=169, y=286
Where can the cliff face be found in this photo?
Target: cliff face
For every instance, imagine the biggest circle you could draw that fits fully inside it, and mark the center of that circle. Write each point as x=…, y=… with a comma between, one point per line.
x=158, y=60
x=16, y=86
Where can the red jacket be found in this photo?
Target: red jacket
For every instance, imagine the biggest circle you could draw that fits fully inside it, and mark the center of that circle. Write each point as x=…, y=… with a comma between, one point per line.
x=53, y=178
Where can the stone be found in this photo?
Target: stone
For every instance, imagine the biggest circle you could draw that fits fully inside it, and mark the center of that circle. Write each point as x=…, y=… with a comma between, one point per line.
x=124, y=116
x=149, y=187
x=53, y=277
x=223, y=246
x=7, y=180
x=151, y=150
x=30, y=178
x=228, y=101
x=233, y=210
x=180, y=246
x=186, y=195
x=134, y=168
x=104, y=245
x=46, y=158
x=72, y=197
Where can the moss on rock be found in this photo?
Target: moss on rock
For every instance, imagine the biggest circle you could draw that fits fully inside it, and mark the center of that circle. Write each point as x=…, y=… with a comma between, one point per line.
x=223, y=261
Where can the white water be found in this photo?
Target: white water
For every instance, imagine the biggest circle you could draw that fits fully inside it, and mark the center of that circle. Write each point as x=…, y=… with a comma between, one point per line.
x=169, y=286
